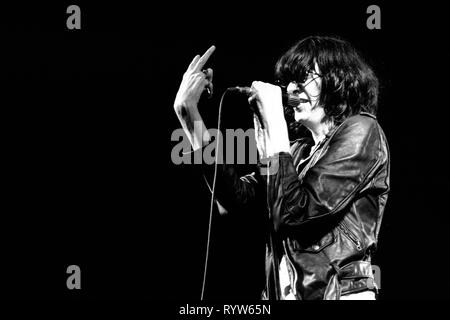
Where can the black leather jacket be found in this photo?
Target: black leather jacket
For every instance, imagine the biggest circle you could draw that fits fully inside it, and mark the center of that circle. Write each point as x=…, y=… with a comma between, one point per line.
x=325, y=212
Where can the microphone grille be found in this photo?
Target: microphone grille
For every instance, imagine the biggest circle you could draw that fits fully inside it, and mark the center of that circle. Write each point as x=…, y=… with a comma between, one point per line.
x=292, y=100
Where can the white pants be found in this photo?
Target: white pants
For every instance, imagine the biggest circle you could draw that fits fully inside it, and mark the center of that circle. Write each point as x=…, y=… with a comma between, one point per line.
x=365, y=295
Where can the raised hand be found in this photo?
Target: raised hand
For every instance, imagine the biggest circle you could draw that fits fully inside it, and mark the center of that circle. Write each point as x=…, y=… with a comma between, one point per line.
x=194, y=82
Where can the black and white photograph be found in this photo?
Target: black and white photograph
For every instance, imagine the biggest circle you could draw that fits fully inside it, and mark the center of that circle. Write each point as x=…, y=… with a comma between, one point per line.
x=217, y=158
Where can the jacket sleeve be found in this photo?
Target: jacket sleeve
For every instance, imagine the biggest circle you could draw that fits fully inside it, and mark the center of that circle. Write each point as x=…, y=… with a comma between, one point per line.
x=343, y=168
x=232, y=190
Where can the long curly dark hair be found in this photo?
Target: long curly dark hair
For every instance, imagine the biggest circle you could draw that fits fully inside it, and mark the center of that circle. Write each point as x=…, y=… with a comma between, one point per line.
x=349, y=85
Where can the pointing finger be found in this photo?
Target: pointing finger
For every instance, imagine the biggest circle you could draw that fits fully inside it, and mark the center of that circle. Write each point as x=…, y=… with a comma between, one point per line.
x=201, y=62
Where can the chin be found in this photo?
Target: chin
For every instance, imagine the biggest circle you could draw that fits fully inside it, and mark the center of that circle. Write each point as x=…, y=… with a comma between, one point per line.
x=300, y=118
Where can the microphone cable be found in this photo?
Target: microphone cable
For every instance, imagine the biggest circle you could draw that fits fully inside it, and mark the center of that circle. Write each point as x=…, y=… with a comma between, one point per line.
x=211, y=207
x=213, y=188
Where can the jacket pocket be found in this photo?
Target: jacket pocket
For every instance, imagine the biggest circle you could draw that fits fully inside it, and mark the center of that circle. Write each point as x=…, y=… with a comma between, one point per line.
x=324, y=242
x=350, y=235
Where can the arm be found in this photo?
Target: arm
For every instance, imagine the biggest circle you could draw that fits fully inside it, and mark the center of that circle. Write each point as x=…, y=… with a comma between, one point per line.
x=193, y=84
x=231, y=190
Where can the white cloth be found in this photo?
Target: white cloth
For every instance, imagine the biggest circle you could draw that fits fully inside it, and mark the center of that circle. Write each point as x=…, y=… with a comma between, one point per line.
x=365, y=295
x=287, y=282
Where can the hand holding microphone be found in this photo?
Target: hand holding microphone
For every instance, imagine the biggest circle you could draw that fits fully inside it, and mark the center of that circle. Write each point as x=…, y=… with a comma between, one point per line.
x=289, y=100
x=268, y=99
x=270, y=113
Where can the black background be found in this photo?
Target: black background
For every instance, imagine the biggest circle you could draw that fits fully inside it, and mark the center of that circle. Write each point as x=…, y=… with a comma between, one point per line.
x=86, y=128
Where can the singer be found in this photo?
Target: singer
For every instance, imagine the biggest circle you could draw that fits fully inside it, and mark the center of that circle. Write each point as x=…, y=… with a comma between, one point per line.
x=324, y=192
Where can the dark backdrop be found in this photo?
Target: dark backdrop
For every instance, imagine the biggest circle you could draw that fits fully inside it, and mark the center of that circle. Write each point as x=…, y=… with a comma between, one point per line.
x=87, y=120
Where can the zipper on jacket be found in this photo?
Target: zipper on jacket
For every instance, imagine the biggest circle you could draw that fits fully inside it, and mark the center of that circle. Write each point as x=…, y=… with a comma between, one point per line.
x=350, y=235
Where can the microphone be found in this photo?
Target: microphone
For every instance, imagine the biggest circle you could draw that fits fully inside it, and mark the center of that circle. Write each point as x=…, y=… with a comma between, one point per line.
x=288, y=99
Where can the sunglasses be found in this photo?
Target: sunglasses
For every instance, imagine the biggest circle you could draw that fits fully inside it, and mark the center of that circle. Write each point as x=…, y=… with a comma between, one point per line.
x=301, y=82
x=293, y=98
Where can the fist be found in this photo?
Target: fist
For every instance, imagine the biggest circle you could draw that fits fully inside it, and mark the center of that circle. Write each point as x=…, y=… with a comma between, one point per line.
x=269, y=101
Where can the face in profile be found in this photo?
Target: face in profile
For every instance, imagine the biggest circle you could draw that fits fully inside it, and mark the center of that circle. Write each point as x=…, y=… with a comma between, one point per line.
x=309, y=110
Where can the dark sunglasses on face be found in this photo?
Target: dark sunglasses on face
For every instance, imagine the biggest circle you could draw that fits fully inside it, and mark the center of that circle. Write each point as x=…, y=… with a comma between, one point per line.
x=301, y=82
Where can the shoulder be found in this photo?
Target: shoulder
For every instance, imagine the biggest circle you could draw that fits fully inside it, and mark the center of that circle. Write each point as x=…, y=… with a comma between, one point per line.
x=360, y=126
x=359, y=134
x=362, y=122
